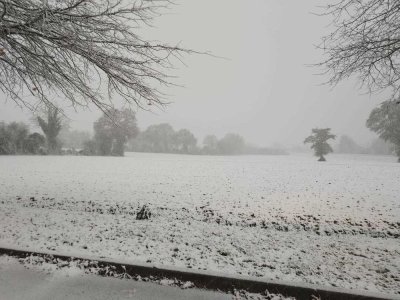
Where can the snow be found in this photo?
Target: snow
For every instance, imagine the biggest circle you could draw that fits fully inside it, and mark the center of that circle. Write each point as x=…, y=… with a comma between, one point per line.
x=36, y=281
x=279, y=217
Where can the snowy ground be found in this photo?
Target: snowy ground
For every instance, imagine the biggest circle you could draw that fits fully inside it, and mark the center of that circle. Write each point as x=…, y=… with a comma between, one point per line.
x=280, y=217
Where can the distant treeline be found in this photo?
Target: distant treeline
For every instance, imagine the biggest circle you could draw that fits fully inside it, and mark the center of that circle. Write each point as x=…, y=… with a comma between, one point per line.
x=162, y=138
x=15, y=138
x=118, y=132
x=378, y=146
x=111, y=138
x=114, y=134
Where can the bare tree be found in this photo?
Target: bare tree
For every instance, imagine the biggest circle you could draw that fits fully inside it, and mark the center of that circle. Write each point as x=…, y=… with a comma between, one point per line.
x=83, y=50
x=365, y=42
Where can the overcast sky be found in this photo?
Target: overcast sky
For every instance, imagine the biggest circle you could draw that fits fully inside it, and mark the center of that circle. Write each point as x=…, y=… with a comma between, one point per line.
x=264, y=90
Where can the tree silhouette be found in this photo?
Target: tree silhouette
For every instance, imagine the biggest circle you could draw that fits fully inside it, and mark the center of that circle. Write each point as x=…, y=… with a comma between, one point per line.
x=185, y=141
x=319, y=142
x=230, y=144
x=51, y=127
x=113, y=130
x=33, y=143
x=385, y=121
x=159, y=138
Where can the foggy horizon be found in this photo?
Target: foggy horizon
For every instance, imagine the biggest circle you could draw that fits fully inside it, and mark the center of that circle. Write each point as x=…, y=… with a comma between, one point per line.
x=263, y=88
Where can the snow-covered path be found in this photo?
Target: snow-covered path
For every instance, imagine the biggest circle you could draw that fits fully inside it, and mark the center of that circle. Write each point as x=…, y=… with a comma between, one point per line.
x=19, y=283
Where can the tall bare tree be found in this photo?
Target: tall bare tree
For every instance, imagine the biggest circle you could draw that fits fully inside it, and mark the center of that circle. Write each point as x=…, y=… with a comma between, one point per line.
x=365, y=42
x=84, y=50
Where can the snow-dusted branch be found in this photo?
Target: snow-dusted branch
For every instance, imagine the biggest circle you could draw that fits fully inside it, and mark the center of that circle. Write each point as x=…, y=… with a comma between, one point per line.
x=365, y=42
x=82, y=50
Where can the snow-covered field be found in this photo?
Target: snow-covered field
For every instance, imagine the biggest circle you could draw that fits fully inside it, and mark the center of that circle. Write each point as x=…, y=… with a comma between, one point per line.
x=280, y=217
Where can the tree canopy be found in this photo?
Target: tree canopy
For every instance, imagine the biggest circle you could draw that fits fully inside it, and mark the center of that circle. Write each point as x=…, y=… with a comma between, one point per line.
x=51, y=125
x=185, y=141
x=319, y=142
x=112, y=131
x=162, y=138
x=231, y=143
x=15, y=138
x=83, y=50
x=385, y=121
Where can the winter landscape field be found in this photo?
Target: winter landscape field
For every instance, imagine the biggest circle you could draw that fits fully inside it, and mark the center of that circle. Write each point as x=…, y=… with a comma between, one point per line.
x=279, y=217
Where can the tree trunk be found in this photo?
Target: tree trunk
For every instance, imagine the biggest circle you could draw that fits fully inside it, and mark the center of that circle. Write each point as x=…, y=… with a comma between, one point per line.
x=322, y=158
x=52, y=146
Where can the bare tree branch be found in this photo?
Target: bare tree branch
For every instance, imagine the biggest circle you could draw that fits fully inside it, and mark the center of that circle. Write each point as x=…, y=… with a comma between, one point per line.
x=83, y=50
x=365, y=42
